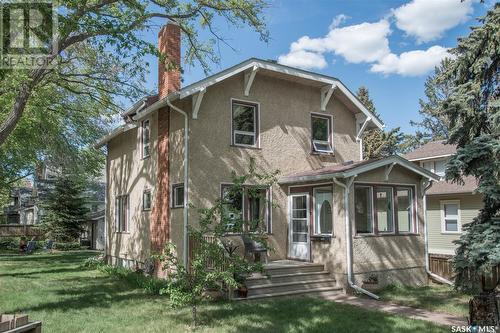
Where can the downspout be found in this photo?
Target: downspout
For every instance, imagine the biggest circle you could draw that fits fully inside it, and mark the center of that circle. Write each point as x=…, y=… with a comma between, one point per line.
x=426, y=236
x=348, y=238
x=186, y=178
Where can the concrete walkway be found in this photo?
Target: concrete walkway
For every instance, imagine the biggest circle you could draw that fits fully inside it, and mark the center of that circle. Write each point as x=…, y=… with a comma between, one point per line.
x=435, y=317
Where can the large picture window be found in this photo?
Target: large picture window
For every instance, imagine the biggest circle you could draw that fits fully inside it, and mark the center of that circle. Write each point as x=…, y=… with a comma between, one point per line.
x=384, y=209
x=122, y=213
x=245, y=131
x=321, y=129
x=251, y=206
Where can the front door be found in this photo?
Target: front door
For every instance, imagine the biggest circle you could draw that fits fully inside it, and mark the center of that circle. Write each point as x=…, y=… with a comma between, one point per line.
x=299, y=226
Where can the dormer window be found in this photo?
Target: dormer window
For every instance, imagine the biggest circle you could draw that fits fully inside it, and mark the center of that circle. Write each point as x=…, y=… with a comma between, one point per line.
x=321, y=134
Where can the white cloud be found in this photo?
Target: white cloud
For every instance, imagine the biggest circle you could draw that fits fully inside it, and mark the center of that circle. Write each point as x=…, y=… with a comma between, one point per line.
x=338, y=20
x=412, y=63
x=303, y=59
x=365, y=42
x=427, y=20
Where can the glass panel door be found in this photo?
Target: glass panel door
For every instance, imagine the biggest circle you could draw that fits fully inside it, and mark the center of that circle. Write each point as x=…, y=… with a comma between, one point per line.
x=299, y=226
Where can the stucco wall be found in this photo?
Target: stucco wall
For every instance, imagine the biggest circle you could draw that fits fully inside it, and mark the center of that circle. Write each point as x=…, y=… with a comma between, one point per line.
x=285, y=134
x=442, y=243
x=128, y=173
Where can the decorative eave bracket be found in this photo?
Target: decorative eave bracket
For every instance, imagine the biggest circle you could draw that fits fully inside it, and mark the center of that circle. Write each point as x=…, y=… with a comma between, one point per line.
x=388, y=169
x=197, y=98
x=249, y=77
x=362, y=128
x=326, y=93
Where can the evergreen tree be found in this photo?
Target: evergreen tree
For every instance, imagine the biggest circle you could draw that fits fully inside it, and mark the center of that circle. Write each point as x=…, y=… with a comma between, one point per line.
x=65, y=210
x=376, y=142
x=473, y=109
x=434, y=124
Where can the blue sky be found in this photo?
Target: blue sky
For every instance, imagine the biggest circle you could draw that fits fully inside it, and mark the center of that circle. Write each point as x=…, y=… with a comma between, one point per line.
x=388, y=46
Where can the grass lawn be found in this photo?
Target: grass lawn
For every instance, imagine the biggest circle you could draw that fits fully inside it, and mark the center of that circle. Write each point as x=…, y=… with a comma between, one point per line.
x=435, y=297
x=55, y=289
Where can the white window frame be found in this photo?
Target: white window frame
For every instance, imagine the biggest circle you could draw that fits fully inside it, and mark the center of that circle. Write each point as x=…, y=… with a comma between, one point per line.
x=145, y=123
x=443, y=222
x=147, y=191
x=392, y=209
x=413, y=201
x=433, y=165
x=315, y=227
x=122, y=226
x=329, y=143
x=174, y=195
x=372, y=220
x=256, y=124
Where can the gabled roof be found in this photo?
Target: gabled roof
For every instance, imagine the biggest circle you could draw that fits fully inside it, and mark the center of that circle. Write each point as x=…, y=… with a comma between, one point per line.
x=433, y=149
x=254, y=63
x=444, y=187
x=354, y=169
x=114, y=133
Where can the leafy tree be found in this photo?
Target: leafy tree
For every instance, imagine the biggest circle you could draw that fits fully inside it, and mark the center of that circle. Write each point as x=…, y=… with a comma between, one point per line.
x=376, y=142
x=434, y=124
x=115, y=28
x=64, y=209
x=473, y=110
x=212, y=265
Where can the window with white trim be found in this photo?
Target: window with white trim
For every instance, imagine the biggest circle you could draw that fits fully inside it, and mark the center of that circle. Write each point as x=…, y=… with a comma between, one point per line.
x=122, y=213
x=146, y=200
x=323, y=218
x=146, y=138
x=437, y=166
x=450, y=216
x=178, y=195
x=321, y=132
x=384, y=209
x=245, y=124
x=251, y=206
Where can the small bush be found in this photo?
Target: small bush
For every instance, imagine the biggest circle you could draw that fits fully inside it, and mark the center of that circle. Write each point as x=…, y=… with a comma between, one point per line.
x=9, y=243
x=150, y=284
x=67, y=246
x=85, y=243
x=94, y=262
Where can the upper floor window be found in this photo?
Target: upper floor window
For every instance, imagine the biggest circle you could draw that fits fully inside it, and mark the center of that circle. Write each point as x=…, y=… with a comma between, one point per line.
x=438, y=167
x=384, y=209
x=146, y=200
x=245, y=124
x=122, y=213
x=321, y=133
x=450, y=216
x=146, y=133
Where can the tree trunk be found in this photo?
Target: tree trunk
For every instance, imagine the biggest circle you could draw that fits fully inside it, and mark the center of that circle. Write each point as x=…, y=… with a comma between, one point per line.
x=195, y=319
x=483, y=310
x=15, y=114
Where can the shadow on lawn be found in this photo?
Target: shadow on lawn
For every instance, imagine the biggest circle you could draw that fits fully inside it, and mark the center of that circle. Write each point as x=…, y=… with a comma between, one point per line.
x=301, y=314
x=34, y=273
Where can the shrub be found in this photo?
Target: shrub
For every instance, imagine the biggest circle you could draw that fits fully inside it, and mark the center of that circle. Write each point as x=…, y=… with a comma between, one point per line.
x=150, y=284
x=9, y=243
x=94, y=262
x=67, y=246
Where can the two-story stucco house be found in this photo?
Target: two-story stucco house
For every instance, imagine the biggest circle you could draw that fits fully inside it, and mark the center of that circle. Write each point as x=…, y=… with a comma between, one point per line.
x=353, y=218
x=449, y=205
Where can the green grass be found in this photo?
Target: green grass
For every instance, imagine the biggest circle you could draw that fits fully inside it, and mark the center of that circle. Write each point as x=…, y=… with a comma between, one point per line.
x=440, y=298
x=55, y=289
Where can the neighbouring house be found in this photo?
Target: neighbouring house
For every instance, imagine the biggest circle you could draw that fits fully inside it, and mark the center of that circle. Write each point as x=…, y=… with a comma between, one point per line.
x=20, y=209
x=358, y=220
x=449, y=205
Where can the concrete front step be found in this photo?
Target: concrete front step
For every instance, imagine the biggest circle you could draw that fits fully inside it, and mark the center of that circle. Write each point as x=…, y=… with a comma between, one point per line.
x=273, y=288
x=284, y=278
x=328, y=291
x=305, y=268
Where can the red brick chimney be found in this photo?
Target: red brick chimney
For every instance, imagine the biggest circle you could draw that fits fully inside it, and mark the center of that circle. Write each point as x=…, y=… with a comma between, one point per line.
x=169, y=80
x=169, y=74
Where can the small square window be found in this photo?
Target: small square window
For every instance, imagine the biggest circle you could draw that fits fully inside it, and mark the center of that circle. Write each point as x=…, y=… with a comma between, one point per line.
x=178, y=195
x=321, y=134
x=146, y=200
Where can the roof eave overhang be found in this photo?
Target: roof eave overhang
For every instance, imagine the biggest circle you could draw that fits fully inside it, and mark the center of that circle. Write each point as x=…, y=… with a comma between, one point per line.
x=362, y=169
x=113, y=134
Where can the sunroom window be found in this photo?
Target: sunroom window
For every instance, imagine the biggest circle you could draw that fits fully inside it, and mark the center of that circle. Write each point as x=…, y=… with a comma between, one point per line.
x=244, y=124
x=321, y=134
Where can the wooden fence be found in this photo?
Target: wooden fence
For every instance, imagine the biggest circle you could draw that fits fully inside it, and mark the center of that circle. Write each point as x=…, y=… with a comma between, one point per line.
x=212, y=263
x=442, y=266
x=18, y=230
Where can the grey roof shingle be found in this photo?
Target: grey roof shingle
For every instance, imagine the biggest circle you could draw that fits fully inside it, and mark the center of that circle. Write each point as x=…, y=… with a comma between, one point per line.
x=431, y=149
